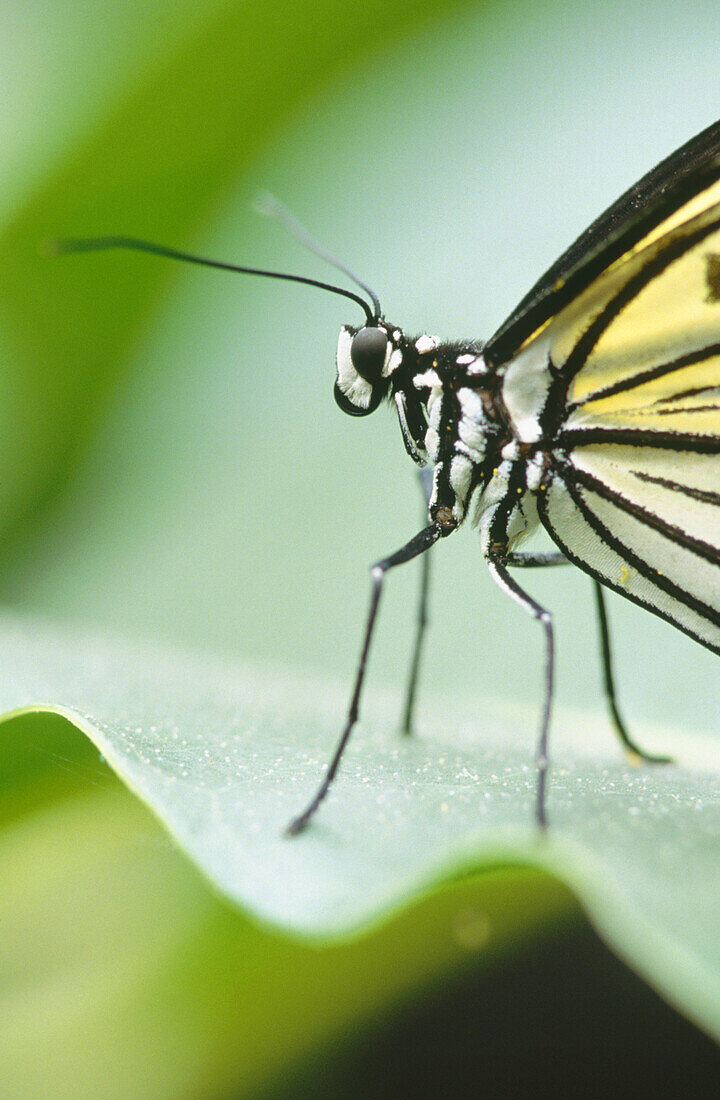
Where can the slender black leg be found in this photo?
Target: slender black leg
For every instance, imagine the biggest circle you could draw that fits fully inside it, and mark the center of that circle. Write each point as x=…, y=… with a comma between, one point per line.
x=417, y=545
x=421, y=620
x=500, y=575
x=634, y=752
x=421, y=624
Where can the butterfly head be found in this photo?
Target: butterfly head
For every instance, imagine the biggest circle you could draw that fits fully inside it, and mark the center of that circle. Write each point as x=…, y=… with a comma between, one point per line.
x=365, y=359
x=378, y=361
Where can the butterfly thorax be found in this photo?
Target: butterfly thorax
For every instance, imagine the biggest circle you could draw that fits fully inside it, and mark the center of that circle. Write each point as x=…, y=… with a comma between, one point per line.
x=447, y=401
x=465, y=428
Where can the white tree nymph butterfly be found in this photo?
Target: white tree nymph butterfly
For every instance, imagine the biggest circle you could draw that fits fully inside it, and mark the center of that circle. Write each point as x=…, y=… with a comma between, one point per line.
x=593, y=411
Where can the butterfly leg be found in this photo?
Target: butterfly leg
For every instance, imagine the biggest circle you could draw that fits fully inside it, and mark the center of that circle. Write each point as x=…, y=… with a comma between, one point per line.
x=499, y=573
x=417, y=545
x=634, y=752
x=421, y=621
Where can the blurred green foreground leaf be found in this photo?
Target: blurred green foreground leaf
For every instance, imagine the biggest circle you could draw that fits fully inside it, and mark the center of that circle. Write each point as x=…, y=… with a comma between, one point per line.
x=145, y=983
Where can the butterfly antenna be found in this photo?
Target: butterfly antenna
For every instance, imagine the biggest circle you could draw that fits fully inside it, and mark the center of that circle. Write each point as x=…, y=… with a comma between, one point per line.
x=72, y=245
x=270, y=207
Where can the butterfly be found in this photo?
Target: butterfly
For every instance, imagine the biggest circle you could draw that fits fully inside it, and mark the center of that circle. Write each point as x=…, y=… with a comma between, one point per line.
x=593, y=412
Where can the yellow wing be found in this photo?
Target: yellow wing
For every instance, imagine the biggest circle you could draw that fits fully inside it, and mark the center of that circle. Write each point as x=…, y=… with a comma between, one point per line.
x=633, y=490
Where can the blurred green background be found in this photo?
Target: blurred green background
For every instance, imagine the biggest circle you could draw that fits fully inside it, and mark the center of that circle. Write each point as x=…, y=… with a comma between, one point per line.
x=174, y=466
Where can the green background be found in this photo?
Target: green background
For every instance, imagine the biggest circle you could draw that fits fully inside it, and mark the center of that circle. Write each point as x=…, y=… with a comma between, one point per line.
x=174, y=467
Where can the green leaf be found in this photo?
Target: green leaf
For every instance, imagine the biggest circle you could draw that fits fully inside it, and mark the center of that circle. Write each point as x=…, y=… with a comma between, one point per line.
x=149, y=984
x=232, y=754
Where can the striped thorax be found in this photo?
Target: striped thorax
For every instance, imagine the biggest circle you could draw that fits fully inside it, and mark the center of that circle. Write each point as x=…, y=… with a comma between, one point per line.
x=478, y=428
x=448, y=407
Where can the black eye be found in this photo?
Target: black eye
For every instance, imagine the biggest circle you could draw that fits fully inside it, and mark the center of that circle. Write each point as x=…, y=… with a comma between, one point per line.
x=347, y=406
x=367, y=352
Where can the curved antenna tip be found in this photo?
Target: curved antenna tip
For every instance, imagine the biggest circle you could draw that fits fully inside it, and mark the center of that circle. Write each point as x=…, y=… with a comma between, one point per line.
x=66, y=246
x=265, y=204
x=50, y=248
x=269, y=207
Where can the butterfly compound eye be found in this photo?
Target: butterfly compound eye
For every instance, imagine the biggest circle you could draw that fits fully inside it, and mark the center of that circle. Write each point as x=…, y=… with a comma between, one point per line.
x=351, y=409
x=367, y=352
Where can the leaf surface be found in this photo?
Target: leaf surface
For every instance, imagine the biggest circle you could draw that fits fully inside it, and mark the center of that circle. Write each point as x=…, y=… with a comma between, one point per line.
x=230, y=754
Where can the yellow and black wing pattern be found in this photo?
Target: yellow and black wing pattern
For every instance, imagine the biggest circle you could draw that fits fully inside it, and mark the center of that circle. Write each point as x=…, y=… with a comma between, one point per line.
x=632, y=420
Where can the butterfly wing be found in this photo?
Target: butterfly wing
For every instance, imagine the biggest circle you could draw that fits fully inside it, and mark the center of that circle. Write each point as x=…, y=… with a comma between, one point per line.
x=632, y=493
x=647, y=204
